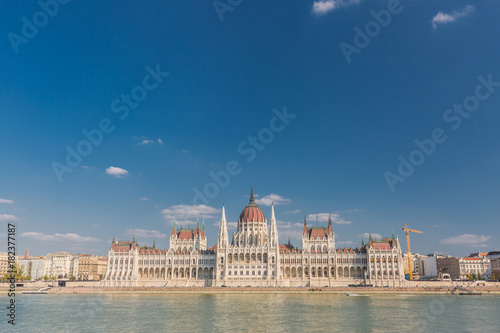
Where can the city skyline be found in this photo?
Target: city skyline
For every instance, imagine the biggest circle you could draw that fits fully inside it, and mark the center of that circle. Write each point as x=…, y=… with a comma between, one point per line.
x=147, y=116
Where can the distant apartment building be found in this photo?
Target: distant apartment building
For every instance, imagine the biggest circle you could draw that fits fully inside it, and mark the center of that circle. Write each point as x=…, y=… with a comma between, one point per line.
x=62, y=265
x=34, y=267
x=449, y=265
x=428, y=266
x=461, y=268
x=415, y=264
x=4, y=263
x=91, y=267
x=494, y=257
x=474, y=266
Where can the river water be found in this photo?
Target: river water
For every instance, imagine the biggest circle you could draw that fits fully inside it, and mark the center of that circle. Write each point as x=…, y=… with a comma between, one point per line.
x=315, y=312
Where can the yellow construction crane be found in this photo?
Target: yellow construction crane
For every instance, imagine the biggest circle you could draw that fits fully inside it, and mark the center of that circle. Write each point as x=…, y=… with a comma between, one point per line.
x=407, y=231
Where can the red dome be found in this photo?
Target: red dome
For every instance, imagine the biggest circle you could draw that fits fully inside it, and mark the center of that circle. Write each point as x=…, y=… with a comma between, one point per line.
x=252, y=212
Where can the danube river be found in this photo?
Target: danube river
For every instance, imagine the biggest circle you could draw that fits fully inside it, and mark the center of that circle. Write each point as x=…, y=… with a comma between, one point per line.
x=274, y=312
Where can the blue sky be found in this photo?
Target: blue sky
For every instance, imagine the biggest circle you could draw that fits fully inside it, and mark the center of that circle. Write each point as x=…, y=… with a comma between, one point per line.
x=172, y=91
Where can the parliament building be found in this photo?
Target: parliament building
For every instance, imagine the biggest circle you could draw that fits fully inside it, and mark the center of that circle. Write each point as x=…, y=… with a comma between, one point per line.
x=253, y=257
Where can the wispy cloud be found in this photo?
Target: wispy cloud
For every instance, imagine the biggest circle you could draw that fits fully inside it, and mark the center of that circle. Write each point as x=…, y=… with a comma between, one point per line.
x=7, y=218
x=345, y=243
x=144, y=199
x=117, y=172
x=324, y=6
x=143, y=233
x=323, y=217
x=69, y=237
x=466, y=239
x=366, y=235
x=445, y=18
x=145, y=141
x=182, y=212
x=6, y=201
x=292, y=211
x=289, y=229
x=269, y=199
x=94, y=226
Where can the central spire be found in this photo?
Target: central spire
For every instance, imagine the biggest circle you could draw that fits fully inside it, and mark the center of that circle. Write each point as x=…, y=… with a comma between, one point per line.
x=252, y=199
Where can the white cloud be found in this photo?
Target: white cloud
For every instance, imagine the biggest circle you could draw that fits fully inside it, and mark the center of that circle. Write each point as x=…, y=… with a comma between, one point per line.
x=69, y=237
x=324, y=6
x=366, y=235
x=142, y=233
x=7, y=218
x=144, y=199
x=345, y=243
x=145, y=141
x=323, y=217
x=182, y=212
x=292, y=211
x=269, y=199
x=289, y=229
x=117, y=172
x=94, y=226
x=445, y=18
x=349, y=211
x=466, y=239
x=6, y=201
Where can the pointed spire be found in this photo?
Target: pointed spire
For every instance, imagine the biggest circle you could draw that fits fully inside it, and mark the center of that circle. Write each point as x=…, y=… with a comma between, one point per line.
x=223, y=212
x=288, y=240
x=252, y=199
x=154, y=244
x=393, y=235
x=173, y=229
x=370, y=238
x=305, y=225
x=272, y=211
x=197, y=226
x=330, y=230
x=133, y=239
x=180, y=226
x=203, y=230
x=362, y=241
